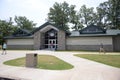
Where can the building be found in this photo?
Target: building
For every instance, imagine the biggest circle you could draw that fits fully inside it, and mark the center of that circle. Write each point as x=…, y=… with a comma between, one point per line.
x=47, y=36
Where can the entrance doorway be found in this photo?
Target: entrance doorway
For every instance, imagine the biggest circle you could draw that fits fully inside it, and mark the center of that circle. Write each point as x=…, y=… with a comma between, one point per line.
x=51, y=39
x=52, y=44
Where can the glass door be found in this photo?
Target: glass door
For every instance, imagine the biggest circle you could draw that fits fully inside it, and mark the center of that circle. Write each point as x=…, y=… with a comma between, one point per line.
x=52, y=44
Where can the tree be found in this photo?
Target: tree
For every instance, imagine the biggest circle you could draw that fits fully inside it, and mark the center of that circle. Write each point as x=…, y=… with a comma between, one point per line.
x=108, y=14
x=103, y=12
x=86, y=15
x=59, y=15
x=24, y=23
x=115, y=13
x=6, y=29
x=74, y=19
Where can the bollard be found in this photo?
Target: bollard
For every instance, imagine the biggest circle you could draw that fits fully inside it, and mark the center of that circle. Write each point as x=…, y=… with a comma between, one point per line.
x=31, y=60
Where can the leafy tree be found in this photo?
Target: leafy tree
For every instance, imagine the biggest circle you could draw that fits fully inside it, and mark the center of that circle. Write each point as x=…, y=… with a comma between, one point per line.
x=74, y=19
x=108, y=14
x=6, y=29
x=103, y=12
x=59, y=15
x=86, y=15
x=115, y=12
x=77, y=25
x=24, y=23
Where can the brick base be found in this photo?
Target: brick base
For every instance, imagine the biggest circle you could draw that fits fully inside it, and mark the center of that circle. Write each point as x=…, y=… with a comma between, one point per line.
x=89, y=47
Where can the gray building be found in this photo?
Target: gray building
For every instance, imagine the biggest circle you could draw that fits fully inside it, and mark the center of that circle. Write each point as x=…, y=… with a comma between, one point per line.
x=48, y=36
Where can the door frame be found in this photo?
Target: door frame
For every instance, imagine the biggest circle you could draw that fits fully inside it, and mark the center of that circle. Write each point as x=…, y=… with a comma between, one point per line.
x=52, y=44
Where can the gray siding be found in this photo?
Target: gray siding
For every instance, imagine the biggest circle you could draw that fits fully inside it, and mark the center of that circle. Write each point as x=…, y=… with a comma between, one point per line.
x=20, y=47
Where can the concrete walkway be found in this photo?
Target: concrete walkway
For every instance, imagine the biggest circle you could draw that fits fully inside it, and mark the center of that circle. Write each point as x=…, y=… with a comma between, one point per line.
x=83, y=69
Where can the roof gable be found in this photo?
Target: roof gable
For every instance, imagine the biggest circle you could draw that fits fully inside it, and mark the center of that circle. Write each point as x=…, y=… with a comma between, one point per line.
x=92, y=29
x=21, y=32
x=44, y=27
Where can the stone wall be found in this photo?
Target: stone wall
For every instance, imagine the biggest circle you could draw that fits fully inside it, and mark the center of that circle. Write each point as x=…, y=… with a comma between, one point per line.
x=61, y=40
x=37, y=39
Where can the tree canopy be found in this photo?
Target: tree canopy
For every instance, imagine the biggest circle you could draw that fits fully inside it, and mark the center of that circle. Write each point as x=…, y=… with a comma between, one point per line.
x=86, y=15
x=107, y=15
x=59, y=15
x=24, y=23
x=8, y=27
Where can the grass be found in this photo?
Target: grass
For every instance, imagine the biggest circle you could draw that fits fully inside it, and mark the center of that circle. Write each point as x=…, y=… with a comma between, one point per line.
x=112, y=60
x=16, y=62
x=89, y=51
x=44, y=62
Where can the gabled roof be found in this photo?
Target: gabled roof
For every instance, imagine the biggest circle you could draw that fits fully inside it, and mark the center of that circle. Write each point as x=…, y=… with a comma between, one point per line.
x=92, y=29
x=21, y=32
x=46, y=24
x=42, y=26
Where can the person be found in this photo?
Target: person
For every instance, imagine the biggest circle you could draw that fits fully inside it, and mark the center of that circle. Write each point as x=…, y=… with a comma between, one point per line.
x=101, y=48
x=4, y=47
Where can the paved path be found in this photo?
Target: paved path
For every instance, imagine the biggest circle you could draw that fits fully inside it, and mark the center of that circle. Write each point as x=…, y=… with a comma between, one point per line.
x=83, y=69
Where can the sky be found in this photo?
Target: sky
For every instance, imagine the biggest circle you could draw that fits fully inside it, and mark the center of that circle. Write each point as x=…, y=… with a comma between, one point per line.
x=37, y=10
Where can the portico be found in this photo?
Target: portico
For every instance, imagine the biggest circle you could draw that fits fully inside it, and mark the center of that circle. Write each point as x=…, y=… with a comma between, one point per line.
x=49, y=37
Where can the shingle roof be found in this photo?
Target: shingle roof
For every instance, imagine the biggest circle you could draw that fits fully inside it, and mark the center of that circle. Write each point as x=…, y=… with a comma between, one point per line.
x=92, y=29
x=19, y=37
x=21, y=32
x=101, y=32
x=42, y=26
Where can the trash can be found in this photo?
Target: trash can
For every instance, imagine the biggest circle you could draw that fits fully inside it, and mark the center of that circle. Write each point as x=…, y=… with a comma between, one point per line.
x=31, y=60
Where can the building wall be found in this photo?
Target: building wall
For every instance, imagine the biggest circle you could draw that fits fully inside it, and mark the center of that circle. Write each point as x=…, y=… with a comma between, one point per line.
x=37, y=39
x=89, y=43
x=61, y=40
x=20, y=43
x=116, y=43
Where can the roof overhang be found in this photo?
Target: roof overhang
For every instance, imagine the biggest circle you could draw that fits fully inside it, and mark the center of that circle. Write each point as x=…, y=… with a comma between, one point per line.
x=20, y=37
x=47, y=28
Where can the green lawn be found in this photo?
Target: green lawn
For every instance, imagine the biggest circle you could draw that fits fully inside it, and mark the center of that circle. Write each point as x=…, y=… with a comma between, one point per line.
x=44, y=62
x=16, y=62
x=112, y=60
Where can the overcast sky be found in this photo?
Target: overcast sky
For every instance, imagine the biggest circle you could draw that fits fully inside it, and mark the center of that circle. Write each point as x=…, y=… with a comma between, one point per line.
x=37, y=10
